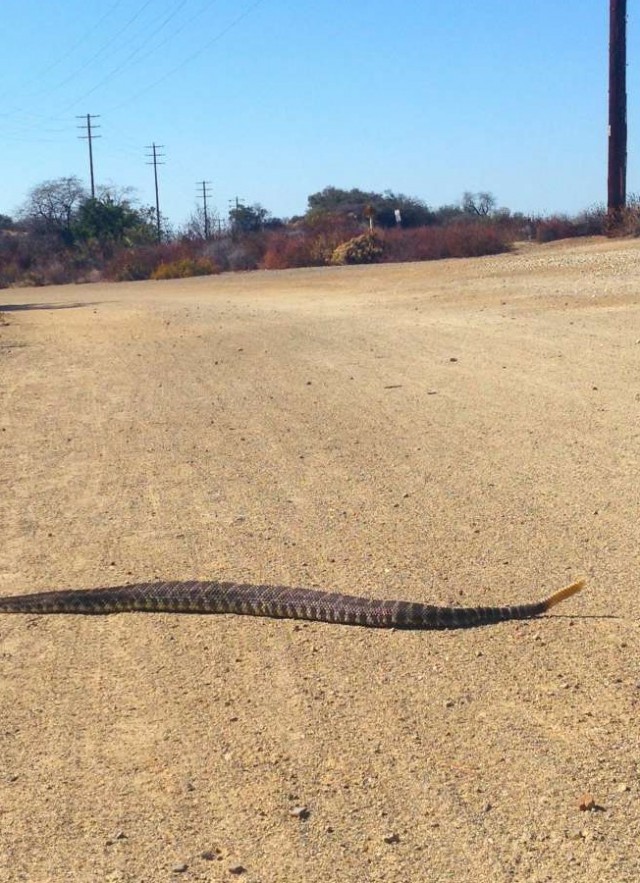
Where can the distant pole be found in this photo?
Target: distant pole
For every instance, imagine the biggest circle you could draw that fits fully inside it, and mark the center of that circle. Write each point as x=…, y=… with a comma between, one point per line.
x=617, y=176
x=89, y=137
x=155, y=162
x=203, y=195
x=370, y=213
x=239, y=203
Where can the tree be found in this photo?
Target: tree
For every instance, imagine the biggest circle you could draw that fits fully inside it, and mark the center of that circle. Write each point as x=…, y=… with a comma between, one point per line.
x=361, y=204
x=6, y=223
x=335, y=200
x=479, y=205
x=195, y=227
x=413, y=212
x=52, y=206
x=111, y=218
x=248, y=218
x=448, y=214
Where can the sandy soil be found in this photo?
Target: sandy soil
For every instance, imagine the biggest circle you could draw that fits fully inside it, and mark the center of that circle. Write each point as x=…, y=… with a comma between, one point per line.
x=460, y=432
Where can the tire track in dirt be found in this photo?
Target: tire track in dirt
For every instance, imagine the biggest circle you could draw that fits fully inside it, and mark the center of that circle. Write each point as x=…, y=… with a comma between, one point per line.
x=311, y=428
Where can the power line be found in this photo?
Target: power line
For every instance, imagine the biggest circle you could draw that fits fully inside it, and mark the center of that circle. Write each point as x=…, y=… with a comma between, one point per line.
x=73, y=75
x=190, y=58
x=155, y=162
x=175, y=31
x=43, y=72
x=91, y=61
x=89, y=137
x=94, y=27
x=131, y=56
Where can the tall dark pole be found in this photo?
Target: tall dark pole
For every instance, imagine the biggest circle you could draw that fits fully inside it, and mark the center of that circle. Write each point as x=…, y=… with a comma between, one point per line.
x=205, y=193
x=155, y=162
x=89, y=137
x=617, y=179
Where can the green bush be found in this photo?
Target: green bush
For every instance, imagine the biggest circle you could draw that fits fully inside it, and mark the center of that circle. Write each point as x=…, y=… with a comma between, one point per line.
x=364, y=249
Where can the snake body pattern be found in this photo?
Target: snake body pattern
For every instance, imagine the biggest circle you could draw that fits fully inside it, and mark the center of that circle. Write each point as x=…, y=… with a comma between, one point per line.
x=273, y=601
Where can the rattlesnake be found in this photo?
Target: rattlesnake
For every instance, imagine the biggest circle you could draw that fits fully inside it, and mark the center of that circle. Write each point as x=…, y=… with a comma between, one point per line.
x=273, y=601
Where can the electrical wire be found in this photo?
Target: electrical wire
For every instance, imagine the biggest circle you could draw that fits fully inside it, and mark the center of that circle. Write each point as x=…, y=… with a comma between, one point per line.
x=174, y=33
x=236, y=21
x=75, y=45
x=38, y=119
x=134, y=58
x=104, y=47
x=126, y=63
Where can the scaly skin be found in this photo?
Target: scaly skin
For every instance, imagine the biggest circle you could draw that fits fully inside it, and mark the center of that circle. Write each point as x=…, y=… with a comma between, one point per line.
x=273, y=601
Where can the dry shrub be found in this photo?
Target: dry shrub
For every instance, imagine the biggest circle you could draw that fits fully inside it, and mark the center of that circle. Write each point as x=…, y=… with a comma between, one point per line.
x=236, y=253
x=185, y=267
x=133, y=264
x=10, y=273
x=49, y=273
x=556, y=227
x=244, y=256
x=291, y=249
x=308, y=243
x=327, y=232
x=364, y=249
x=628, y=221
x=454, y=241
x=90, y=276
x=308, y=247
x=592, y=222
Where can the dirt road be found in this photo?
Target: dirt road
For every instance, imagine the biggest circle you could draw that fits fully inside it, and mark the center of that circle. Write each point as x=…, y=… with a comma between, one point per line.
x=461, y=432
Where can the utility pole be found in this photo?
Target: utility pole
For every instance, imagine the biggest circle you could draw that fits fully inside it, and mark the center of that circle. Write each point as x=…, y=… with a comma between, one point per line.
x=154, y=156
x=204, y=194
x=89, y=137
x=234, y=205
x=617, y=175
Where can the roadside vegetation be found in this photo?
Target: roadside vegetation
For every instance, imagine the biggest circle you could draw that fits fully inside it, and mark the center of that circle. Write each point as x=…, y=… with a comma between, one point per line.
x=61, y=234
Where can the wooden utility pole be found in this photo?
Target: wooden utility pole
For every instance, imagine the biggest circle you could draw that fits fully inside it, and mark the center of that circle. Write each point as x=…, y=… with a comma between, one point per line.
x=154, y=156
x=89, y=137
x=617, y=177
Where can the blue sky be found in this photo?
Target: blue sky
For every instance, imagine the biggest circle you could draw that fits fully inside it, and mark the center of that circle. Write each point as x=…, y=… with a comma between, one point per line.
x=272, y=100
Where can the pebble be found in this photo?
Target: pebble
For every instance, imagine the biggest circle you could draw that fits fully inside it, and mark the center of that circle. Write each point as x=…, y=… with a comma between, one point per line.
x=299, y=812
x=237, y=870
x=391, y=838
x=180, y=869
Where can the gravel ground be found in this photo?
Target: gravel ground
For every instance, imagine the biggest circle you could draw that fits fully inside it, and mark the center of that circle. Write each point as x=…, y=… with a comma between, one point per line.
x=461, y=432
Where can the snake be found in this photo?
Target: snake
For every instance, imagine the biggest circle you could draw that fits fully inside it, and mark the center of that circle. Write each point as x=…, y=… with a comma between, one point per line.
x=279, y=602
